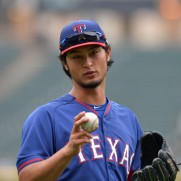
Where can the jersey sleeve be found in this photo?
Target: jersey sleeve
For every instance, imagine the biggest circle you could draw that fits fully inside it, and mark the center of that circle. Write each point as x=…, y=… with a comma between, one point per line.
x=37, y=138
x=136, y=162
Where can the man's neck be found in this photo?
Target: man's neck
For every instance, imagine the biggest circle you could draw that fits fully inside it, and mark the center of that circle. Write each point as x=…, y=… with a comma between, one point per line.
x=95, y=96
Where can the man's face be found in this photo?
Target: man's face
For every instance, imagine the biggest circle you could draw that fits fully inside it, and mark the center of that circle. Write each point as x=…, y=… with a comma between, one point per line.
x=87, y=65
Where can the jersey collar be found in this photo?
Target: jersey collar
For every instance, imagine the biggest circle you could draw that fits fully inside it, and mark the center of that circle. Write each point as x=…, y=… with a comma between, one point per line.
x=93, y=110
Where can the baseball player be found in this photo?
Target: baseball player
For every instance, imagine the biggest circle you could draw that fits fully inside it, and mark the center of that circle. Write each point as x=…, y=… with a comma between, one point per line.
x=54, y=147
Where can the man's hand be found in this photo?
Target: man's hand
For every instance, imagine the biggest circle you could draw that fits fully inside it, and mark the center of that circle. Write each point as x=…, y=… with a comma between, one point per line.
x=78, y=137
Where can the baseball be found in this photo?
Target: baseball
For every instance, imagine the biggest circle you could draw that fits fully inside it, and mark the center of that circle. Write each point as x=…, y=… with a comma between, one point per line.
x=92, y=124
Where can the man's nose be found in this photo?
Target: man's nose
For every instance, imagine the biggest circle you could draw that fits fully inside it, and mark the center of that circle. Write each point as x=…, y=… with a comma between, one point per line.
x=88, y=61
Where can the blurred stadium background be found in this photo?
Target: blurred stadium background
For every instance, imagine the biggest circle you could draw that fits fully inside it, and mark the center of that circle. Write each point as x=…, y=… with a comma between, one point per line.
x=146, y=39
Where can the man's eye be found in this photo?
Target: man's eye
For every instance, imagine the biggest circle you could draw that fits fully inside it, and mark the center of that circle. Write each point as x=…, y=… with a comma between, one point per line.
x=94, y=52
x=76, y=57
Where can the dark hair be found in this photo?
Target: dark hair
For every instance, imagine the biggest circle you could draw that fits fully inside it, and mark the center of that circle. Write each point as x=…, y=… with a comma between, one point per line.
x=62, y=58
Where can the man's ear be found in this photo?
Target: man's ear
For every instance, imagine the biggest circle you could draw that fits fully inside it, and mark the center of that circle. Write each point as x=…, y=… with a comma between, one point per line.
x=108, y=56
x=66, y=68
x=65, y=65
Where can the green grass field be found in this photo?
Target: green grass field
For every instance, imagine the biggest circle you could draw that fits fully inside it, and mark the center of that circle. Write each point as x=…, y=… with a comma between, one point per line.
x=10, y=174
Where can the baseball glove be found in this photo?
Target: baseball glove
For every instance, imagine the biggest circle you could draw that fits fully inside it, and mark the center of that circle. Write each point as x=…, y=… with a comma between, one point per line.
x=157, y=160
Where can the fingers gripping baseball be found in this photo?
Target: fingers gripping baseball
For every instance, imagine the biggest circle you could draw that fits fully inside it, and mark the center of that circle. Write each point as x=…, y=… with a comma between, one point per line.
x=78, y=120
x=78, y=137
x=157, y=160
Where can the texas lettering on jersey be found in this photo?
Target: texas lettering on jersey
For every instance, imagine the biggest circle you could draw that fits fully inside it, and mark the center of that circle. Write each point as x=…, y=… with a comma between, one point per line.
x=125, y=160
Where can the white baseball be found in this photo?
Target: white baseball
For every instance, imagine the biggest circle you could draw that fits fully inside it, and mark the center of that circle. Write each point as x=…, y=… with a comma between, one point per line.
x=92, y=124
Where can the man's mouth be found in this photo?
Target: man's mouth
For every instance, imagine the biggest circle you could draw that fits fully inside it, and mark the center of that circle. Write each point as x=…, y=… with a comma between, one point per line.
x=88, y=73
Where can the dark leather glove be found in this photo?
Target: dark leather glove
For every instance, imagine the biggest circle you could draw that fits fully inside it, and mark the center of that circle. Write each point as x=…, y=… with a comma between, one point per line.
x=157, y=160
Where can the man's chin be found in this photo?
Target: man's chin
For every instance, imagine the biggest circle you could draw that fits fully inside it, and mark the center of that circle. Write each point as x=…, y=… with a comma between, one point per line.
x=90, y=85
